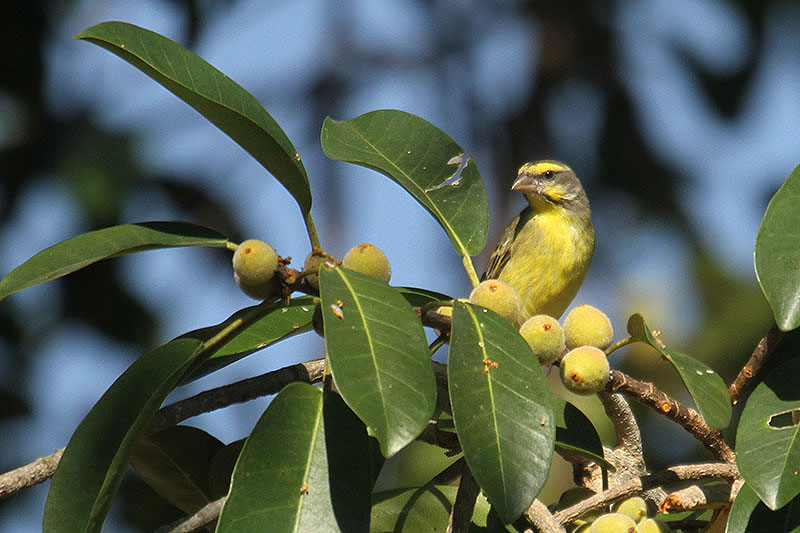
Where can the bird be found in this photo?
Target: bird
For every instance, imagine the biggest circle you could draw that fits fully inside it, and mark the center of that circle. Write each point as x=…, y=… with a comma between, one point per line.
x=546, y=251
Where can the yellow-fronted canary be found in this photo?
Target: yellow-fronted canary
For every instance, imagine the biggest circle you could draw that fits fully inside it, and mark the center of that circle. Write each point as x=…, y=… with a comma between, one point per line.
x=546, y=251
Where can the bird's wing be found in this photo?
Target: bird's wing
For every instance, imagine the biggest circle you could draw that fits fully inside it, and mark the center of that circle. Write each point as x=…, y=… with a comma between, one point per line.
x=502, y=253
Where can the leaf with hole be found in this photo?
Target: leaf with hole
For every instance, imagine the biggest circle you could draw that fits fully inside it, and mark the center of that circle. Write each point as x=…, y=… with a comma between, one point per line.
x=83, y=250
x=378, y=356
x=706, y=387
x=423, y=160
x=502, y=408
x=212, y=94
x=777, y=253
x=768, y=437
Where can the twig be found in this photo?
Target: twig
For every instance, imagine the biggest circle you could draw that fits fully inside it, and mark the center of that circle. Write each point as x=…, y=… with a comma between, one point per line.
x=207, y=514
x=762, y=350
x=241, y=391
x=648, y=394
x=270, y=383
x=30, y=474
x=542, y=519
x=697, y=497
x=634, y=486
x=463, y=507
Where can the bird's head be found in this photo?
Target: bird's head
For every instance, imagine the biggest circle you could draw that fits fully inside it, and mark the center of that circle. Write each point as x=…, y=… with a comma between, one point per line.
x=550, y=183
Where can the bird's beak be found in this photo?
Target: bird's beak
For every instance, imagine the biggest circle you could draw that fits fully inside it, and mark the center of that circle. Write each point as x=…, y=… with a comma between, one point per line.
x=526, y=184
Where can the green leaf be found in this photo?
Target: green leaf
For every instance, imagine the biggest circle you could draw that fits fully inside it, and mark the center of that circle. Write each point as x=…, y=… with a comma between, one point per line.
x=777, y=253
x=83, y=250
x=286, y=469
x=421, y=509
x=502, y=408
x=176, y=463
x=378, y=356
x=423, y=160
x=768, y=437
x=97, y=455
x=277, y=321
x=212, y=94
x=222, y=464
x=576, y=433
x=705, y=386
x=749, y=515
x=418, y=297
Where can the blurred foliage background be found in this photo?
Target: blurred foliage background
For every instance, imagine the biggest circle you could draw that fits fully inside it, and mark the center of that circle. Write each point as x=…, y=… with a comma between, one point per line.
x=681, y=118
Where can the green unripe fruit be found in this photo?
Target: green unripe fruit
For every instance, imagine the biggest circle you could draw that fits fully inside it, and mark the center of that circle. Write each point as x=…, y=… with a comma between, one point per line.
x=635, y=507
x=545, y=337
x=585, y=370
x=498, y=296
x=588, y=326
x=570, y=497
x=613, y=523
x=369, y=260
x=312, y=264
x=254, y=264
x=652, y=526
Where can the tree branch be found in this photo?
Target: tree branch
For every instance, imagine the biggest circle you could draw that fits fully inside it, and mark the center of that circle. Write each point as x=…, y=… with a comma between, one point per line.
x=205, y=515
x=249, y=389
x=542, y=519
x=667, y=476
x=648, y=394
x=760, y=353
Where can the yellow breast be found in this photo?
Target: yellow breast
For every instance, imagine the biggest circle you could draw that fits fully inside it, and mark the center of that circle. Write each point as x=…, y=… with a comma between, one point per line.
x=549, y=260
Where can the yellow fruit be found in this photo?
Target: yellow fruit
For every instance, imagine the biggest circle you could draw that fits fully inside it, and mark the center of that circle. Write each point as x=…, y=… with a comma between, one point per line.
x=498, y=296
x=585, y=370
x=613, y=523
x=652, y=526
x=588, y=326
x=545, y=337
x=635, y=507
x=369, y=260
x=254, y=264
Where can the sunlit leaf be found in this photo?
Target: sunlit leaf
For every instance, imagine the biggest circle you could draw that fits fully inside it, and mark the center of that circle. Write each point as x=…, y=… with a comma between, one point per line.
x=176, y=464
x=768, y=437
x=777, y=253
x=423, y=160
x=378, y=355
x=295, y=475
x=706, y=387
x=211, y=93
x=502, y=408
x=421, y=509
x=83, y=250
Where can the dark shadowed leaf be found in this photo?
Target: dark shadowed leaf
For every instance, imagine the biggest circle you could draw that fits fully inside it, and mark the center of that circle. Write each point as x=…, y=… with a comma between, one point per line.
x=706, y=387
x=576, y=433
x=502, y=408
x=97, y=455
x=176, y=464
x=750, y=515
x=378, y=356
x=777, y=253
x=423, y=160
x=768, y=437
x=82, y=250
x=222, y=464
x=211, y=93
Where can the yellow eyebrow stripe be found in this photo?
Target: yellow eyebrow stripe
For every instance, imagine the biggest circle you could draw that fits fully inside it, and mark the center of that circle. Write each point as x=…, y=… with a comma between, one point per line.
x=542, y=166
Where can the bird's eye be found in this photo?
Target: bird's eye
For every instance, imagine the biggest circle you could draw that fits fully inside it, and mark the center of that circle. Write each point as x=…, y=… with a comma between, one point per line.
x=547, y=174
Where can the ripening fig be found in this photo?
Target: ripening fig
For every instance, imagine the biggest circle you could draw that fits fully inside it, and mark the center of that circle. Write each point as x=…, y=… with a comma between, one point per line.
x=545, y=337
x=613, y=523
x=585, y=370
x=588, y=326
x=648, y=525
x=311, y=266
x=254, y=264
x=368, y=259
x=498, y=296
x=635, y=507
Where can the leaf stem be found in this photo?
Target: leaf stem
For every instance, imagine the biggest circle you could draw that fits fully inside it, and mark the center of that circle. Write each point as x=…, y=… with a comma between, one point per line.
x=470, y=268
x=616, y=346
x=312, y=231
x=232, y=246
